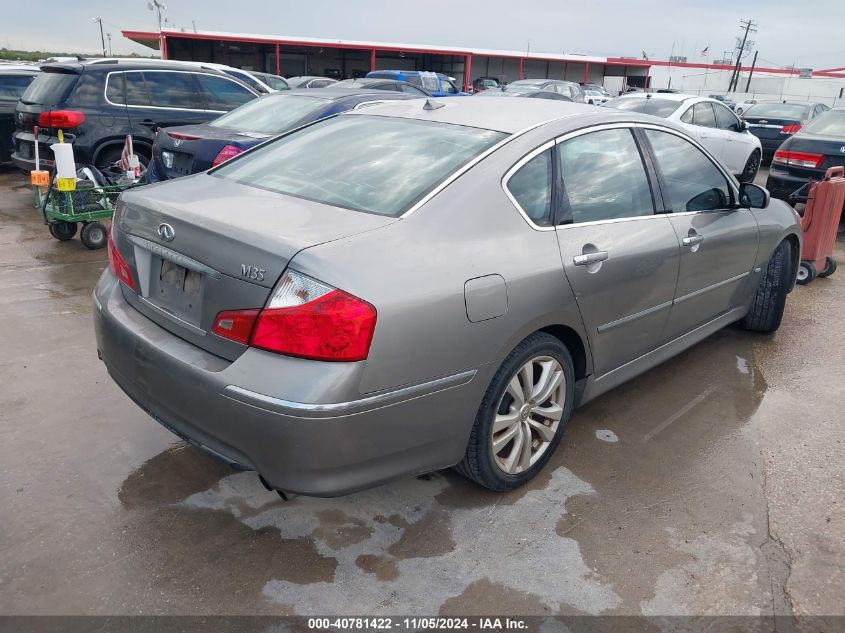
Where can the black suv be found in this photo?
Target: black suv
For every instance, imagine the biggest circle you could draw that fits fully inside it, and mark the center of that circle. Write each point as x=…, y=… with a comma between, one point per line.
x=97, y=103
x=14, y=80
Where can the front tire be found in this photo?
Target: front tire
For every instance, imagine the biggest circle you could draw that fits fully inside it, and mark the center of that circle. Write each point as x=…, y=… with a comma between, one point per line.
x=522, y=416
x=767, y=308
x=752, y=166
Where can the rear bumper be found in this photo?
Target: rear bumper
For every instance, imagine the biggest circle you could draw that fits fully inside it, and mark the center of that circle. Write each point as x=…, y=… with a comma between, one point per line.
x=781, y=183
x=771, y=145
x=320, y=449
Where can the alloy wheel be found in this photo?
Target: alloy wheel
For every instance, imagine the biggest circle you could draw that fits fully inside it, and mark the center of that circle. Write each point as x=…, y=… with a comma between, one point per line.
x=751, y=167
x=528, y=415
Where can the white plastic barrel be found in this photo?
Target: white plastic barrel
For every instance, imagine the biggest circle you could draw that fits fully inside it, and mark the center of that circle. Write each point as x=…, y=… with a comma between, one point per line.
x=65, y=165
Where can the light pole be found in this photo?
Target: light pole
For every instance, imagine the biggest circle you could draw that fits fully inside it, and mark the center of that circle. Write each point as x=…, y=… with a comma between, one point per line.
x=108, y=35
x=102, y=39
x=157, y=6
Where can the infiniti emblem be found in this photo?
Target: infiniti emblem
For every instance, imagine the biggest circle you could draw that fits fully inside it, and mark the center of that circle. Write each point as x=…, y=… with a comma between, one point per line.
x=166, y=232
x=177, y=142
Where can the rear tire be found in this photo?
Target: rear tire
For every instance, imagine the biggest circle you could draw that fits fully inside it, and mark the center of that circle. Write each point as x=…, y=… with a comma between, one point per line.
x=545, y=361
x=767, y=308
x=93, y=235
x=806, y=273
x=62, y=231
x=829, y=267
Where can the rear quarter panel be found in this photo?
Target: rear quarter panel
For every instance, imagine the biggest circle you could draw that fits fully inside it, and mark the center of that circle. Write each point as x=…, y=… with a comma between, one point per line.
x=414, y=272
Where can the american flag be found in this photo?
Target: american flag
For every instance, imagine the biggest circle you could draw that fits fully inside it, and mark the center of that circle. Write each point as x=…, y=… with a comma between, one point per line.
x=123, y=163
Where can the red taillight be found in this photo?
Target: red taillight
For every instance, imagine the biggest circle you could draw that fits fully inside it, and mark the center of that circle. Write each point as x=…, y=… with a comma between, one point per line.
x=309, y=319
x=790, y=129
x=798, y=159
x=235, y=325
x=61, y=118
x=230, y=151
x=180, y=136
x=118, y=265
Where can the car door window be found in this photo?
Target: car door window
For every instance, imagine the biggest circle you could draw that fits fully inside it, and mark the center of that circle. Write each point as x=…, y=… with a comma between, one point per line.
x=703, y=115
x=430, y=83
x=136, y=89
x=600, y=184
x=531, y=187
x=448, y=87
x=223, y=94
x=693, y=182
x=686, y=117
x=726, y=119
x=170, y=89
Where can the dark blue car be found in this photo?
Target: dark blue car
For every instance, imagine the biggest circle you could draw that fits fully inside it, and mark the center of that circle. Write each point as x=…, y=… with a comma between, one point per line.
x=189, y=149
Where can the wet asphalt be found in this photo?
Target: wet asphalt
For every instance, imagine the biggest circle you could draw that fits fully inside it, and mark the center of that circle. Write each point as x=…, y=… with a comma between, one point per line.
x=713, y=484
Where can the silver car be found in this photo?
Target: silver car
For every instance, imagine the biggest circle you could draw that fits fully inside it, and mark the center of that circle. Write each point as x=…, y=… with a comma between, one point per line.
x=424, y=284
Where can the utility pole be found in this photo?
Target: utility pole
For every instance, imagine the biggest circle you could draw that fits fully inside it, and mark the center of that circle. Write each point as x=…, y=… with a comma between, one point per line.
x=157, y=6
x=194, y=23
x=102, y=39
x=753, y=65
x=108, y=35
x=748, y=24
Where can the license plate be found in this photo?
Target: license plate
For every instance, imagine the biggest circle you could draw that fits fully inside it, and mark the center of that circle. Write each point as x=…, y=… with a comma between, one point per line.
x=179, y=162
x=178, y=279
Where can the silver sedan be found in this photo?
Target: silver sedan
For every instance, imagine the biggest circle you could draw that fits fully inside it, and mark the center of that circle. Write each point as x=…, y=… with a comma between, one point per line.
x=424, y=284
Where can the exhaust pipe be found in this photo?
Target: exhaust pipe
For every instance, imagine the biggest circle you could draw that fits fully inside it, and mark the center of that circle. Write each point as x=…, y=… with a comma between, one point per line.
x=286, y=496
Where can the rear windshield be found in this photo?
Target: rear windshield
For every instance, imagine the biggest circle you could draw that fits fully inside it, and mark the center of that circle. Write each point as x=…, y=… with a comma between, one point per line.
x=831, y=123
x=270, y=115
x=373, y=164
x=653, y=105
x=50, y=88
x=793, y=111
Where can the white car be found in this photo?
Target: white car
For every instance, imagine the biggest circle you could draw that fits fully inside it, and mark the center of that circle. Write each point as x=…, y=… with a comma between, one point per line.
x=742, y=106
x=715, y=126
x=594, y=97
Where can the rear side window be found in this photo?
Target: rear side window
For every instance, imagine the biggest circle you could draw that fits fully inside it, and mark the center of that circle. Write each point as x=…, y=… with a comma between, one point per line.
x=531, y=187
x=703, y=115
x=50, y=88
x=114, y=88
x=13, y=86
x=430, y=83
x=222, y=94
x=365, y=163
x=448, y=86
x=603, y=185
x=693, y=182
x=170, y=89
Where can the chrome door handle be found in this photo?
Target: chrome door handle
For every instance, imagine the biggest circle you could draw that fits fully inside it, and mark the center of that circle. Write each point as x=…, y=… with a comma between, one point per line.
x=693, y=240
x=590, y=258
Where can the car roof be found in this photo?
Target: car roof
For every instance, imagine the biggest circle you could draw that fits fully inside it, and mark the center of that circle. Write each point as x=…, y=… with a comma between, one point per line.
x=330, y=93
x=667, y=96
x=504, y=115
x=132, y=64
x=19, y=71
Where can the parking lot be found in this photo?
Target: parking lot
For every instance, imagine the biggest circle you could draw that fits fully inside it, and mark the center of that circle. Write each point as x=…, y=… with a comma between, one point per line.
x=709, y=485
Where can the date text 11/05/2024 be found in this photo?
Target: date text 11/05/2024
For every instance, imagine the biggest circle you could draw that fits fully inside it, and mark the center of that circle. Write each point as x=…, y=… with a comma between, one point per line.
x=416, y=623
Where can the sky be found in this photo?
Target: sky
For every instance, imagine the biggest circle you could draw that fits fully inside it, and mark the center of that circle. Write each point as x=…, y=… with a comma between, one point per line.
x=787, y=33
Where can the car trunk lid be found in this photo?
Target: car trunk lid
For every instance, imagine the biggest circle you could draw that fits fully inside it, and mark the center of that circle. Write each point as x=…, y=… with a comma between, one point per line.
x=202, y=244
x=189, y=149
x=770, y=127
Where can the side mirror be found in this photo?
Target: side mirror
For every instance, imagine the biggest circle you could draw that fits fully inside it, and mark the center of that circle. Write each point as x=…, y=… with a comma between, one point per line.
x=753, y=196
x=743, y=125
